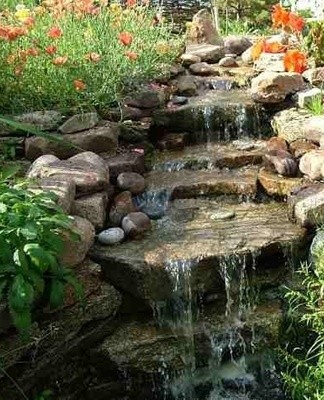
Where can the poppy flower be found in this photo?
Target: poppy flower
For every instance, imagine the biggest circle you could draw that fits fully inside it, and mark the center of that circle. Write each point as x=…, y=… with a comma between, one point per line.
x=131, y=3
x=60, y=60
x=125, y=38
x=295, y=61
x=54, y=32
x=51, y=50
x=79, y=85
x=280, y=16
x=32, y=51
x=274, y=47
x=131, y=55
x=94, y=57
x=296, y=23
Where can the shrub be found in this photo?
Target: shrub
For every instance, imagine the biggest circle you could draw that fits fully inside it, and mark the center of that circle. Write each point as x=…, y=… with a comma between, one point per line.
x=82, y=56
x=31, y=226
x=314, y=42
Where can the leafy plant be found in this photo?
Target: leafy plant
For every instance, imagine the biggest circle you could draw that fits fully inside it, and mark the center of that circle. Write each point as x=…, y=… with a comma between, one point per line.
x=314, y=42
x=31, y=227
x=315, y=105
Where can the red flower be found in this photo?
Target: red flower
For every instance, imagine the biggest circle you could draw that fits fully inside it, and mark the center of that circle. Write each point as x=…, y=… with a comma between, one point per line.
x=55, y=32
x=79, y=85
x=131, y=3
x=257, y=49
x=51, y=50
x=274, y=47
x=131, y=55
x=280, y=16
x=296, y=23
x=32, y=51
x=295, y=61
x=29, y=21
x=125, y=38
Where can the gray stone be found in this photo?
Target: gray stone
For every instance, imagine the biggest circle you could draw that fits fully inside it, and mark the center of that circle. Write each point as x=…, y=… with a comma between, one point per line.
x=271, y=62
x=80, y=122
x=35, y=169
x=202, y=69
x=186, y=86
x=222, y=215
x=123, y=205
x=317, y=245
x=274, y=87
x=76, y=249
x=311, y=164
x=188, y=59
x=202, y=29
x=47, y=120
x=111, y=236
x=236, y=44
x=207, y=52
x=135, y=224
x=131, y=181
x=247, y=57
x=101, y=139
x=228, y=62
x=92, y=159
x=92, y=207
x=282, y=162
x=315, y=76
x=305, y=97
x=146, y=99
x=64, y=190
x=126, y=162
x=179, y=100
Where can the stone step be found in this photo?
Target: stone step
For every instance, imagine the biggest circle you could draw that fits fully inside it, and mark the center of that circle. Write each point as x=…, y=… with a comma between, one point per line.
x=215, y=116
x=187, y=183
x=205, y=238
x=210, y=156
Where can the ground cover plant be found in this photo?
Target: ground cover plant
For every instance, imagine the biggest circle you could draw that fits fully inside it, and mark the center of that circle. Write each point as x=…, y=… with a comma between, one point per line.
x=80, y=54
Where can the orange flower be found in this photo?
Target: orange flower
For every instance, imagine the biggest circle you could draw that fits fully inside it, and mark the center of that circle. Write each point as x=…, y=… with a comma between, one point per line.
x=79, y=85
x=60, y=60
x=280, y=16
x=94, y=57
x=295, y=61
x=274, y=47
x=54, y=32
x=32, y=51
x=11, y=33
x=51, y=50
x=131, y=3
x=257, y=49
x=29, y=21
x=125, y=38
x=131, y=55
x=296, y=23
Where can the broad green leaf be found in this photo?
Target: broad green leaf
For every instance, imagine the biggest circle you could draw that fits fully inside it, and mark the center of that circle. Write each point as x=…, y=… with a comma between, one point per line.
x=29, y=231
x=3, y=208
x=8, y=172
x=39, y=256
x=21, y=294
x=57, y=292
x=21, y=260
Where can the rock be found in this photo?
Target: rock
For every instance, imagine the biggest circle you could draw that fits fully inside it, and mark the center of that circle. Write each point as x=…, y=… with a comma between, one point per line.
x=63, y=189
x=86, y=177
x=305, y=97
x=274, y=87
x=135, y=224
x=202, y=29
x=93, y=208
x=125, y=162
x=179, y=100
x=315, y=76
x=311, y=164
x=111, y=236
x=80, y=122
x=236, y=44
x=101, y=139
x=276, y=143
x=123, y=205
x=35, y=169
x=172, y=141
x=282, y=162
x=146, y=99
x=202, y=69
x=223, y=215
x=247, y=57
x=317, y=245
x=314, y=129
x=186, y=86
x=131, y=181
x=271, y=62
x=92, y=159
x=134, y=132
x=276, y=185
x=299, y=147
x=47, y=120
x=206, y=52
x=188, y=59
x=306, y=205
x=76, y=249
x=228, y=62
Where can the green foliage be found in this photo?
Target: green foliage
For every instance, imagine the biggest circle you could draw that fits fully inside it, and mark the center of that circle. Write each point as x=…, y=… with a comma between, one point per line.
x=314, y=42
x=304, y=364
x=31, y=225
x=315, y=106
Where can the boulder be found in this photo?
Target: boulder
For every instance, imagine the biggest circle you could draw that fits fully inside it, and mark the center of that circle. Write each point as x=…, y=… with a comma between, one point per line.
x=126, y=162
x=93, y=160
x=311, y=164
x=111, y=236
x=92, y=207
x=274, y=87
x=123, y=205
x=131, y=181
x=228, y=62
x=186, y=86
x=236, y=44
x=271, y=62
x=63, y=189
x=35, y=169
x=101, y=139
x=135, y=224
x=276, y=185
x=306, y=205
x=305, y=97
x=76, y=249
x=187, y=59
x=316, y=247
x=315, y=76
x=146, y=99
x=247, y=57
x=202, y=29
x=80, y=122
x=282, y=162
x=207, y=52
x=314, y=129
x=47, y=120
x=300, y=147
x=134, y=132
x=202, y=69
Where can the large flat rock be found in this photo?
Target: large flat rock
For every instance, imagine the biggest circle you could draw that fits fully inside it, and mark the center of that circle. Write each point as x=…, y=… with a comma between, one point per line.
x=188, y=183
x=258, y=235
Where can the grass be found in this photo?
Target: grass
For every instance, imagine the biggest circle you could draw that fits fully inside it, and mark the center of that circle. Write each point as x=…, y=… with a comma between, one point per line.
x=315, y=106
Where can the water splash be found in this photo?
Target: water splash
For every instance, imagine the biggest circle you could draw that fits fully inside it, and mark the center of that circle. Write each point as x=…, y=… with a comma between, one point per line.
x=153, y=203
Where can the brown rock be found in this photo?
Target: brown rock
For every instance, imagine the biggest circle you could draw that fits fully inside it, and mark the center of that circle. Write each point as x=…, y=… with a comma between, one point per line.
x=131, y=181
x=202, y=29
x=92, y=159
x=282, y=162
x=80, y=122
x=76, y=249
x=126, y=162
x=276, y=143
x=311, y=164
x=315, y=76
x=202, y=69
x=207, y=52
x=145, y=99
x=63, y=189
x=123, y=205
x=136, y=223
x=228, y=62
x=299, y=147
x=93, y=208
x=101, y=139
x=35, y=169
x=188, y=59
x=172, y=141
x=276, y=185
x=186, y=86
x=236, y=44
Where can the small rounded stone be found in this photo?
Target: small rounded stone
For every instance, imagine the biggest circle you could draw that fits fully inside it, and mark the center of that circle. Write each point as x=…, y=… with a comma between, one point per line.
x=111, y=236
x=131, y=181
x=222, y=215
